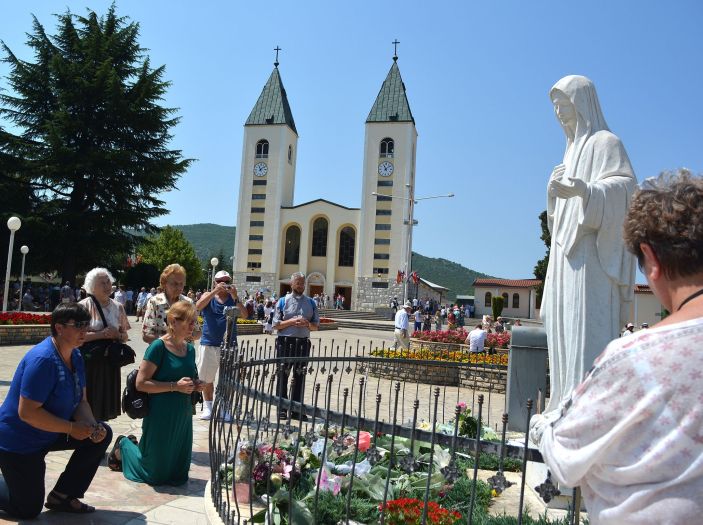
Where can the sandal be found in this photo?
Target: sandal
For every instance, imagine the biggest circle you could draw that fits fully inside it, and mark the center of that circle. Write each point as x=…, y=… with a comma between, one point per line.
x=64, y=504
x=113, y=463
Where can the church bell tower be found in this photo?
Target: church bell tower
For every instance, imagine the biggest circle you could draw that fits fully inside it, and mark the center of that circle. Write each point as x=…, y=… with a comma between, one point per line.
x=266, y=184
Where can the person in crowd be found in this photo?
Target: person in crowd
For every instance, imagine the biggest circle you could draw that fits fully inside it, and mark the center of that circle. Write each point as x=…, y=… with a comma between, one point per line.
x=103, y=380
x=28, y=301
x=141, y=302
x=46, y=409
x=499, y=326
x=394, y=305
x=168, y=374
x=427, y=321
x=296, y=316
x=172, y=280
x=191, y=295
x=121, y=297
x=644, y=325
x=476, y=339
x=517, y=322
x=402, y=323
x=129, y=307
x=630, y=434
x=438, y=320
x=451, y=319
x=629, y=330
x=269, y=312
x=418, y=319
x=212, y=306
x=67, y=293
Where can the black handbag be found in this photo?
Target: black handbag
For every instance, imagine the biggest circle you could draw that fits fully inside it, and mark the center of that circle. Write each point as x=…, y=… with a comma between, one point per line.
x=135, y=403
x=117, y=353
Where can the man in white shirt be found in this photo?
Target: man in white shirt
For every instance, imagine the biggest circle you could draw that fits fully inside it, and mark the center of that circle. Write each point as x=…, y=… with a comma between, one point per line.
x=629, y=330
x=121, y=297
x=401, y=326
x=476, y=339
x=418, y=319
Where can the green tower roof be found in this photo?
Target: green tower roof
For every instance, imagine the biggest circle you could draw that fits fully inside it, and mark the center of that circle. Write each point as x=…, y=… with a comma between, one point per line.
x=391, y=103
x=272, y=106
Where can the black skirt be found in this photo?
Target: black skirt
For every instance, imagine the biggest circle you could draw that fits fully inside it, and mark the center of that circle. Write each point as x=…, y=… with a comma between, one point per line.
x=103, y=387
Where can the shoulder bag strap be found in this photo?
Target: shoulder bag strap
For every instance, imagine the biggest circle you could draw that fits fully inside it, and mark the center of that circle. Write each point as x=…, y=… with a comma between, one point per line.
x=100, y=309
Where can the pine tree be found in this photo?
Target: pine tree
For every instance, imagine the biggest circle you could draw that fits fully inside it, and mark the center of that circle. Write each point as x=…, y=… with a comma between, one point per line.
x=540, y=270
x=92, y=152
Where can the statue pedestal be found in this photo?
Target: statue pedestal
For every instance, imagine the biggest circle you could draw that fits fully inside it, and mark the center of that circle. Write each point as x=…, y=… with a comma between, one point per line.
x=536, y=475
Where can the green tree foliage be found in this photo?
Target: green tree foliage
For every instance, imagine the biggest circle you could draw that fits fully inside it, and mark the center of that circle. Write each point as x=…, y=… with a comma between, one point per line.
x=497, y=303
x=91, y=154
x=540, y=270
x=169, y=247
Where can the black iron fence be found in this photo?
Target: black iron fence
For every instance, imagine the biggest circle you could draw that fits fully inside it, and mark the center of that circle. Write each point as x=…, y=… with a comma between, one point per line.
x=365, y=432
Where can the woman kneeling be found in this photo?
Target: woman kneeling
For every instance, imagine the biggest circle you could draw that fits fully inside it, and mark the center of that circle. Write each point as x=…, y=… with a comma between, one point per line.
x=46, y=409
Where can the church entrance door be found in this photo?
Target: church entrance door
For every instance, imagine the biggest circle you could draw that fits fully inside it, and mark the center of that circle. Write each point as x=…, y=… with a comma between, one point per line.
x=284, y=289
x=315, y=289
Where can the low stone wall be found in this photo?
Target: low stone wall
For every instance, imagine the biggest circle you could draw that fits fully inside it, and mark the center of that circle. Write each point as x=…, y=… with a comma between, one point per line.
x=416, y=373
x=476, y=377
x=328, y=326
x=23, y=334
x=250, y=329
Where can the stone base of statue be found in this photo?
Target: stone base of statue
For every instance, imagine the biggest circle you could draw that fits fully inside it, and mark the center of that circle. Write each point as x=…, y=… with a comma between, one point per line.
x=554, y=495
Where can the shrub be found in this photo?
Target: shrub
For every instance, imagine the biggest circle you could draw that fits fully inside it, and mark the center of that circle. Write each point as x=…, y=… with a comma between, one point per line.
x=497, y=306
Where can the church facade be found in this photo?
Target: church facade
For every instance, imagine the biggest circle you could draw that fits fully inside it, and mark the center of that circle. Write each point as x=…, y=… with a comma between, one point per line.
x=356, y=252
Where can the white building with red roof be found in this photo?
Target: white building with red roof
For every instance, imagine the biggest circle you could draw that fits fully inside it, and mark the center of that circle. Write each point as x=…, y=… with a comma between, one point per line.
x=519, y=296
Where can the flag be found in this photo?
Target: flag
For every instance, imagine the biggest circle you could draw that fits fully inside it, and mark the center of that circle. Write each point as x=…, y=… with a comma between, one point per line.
x=399, y=278
x=415, y=277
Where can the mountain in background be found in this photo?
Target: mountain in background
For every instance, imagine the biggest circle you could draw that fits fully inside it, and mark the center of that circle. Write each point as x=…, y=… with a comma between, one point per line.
x=214, y=240
x=449, y=274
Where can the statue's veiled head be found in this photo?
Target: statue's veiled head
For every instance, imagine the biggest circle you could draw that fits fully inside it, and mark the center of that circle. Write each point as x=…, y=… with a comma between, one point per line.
x=576, y=106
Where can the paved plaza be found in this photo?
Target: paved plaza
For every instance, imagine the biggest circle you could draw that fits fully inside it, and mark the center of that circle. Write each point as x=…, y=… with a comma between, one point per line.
x=120, y=501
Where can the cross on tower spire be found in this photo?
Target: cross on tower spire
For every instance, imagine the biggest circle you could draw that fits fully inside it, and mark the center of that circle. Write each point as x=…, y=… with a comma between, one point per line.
x=395, y=49
x=276, y=49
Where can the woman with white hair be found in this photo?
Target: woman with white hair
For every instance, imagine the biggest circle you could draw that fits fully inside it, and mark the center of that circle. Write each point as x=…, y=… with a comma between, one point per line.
x=103, y=383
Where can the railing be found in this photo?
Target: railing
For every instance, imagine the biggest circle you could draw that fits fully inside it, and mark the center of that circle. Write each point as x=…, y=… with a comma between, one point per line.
x=275, y=460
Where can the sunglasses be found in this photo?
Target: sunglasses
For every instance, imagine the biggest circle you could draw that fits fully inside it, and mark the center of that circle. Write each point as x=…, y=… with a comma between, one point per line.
x=78, y=324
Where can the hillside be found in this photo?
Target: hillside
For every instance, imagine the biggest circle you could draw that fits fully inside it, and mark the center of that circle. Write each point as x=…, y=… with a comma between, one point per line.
x=209, y=239
x=453, y=275
x=215, y=240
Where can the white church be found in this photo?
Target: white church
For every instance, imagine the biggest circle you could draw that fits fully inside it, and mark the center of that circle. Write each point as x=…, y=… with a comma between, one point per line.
x=353, y=251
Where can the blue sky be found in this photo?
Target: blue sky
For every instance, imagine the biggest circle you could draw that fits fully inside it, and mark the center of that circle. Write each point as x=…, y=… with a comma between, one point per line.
x=477, y=76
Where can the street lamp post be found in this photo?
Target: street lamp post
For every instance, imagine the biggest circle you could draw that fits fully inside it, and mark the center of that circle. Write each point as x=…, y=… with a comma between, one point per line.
x=410, y=222
x=25, y=251
x=214, y=262
x=14, y=224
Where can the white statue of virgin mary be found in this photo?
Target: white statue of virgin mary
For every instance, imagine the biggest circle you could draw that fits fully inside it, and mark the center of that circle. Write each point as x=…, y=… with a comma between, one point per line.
x=590, y=276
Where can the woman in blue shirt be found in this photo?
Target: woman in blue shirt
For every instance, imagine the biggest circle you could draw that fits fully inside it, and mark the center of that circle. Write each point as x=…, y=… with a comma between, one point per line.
x=46, y=409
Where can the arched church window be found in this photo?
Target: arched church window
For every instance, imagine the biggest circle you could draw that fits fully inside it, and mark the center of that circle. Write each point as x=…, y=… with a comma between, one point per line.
x=516, y=300
x=347, y=238
x=319, y=237
x=487, y=301
x=262, y=149
x=292, y=249
x=505, y=300
x=387, y=146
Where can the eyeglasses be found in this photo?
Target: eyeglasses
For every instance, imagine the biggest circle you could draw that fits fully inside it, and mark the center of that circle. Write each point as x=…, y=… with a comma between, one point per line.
x=78, y=324
x=226, y=281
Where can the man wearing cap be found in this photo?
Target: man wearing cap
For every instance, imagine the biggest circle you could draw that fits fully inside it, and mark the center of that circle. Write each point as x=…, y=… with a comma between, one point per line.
x=629, y=330
x=401, y=326
x=211, y=306
x=296, y=315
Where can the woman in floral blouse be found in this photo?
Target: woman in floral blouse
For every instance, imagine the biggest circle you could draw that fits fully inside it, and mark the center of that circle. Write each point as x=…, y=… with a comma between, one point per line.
x=173, y=280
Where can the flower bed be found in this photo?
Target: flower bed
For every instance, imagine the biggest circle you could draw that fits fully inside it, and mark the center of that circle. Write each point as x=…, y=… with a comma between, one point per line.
x=292, y=472
x=19, y=328
x=24, y=318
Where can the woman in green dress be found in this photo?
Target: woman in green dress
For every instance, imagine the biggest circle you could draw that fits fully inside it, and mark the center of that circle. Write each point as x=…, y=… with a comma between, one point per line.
x=168, y=373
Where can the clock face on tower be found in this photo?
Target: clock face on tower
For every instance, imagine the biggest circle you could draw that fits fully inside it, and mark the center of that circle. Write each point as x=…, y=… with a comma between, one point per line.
x=260, y=169
x=385, y=169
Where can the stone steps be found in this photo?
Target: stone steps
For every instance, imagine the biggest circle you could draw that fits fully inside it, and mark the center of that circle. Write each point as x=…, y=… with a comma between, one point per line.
x=351, y=314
